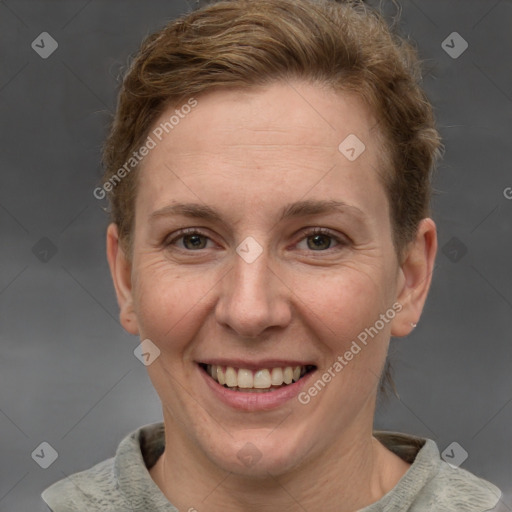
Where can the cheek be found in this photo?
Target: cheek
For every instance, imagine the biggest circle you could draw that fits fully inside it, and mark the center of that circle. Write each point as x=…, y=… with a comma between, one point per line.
x=344, y=302
x=167, y=299
x=355, y=339
x=343, y=309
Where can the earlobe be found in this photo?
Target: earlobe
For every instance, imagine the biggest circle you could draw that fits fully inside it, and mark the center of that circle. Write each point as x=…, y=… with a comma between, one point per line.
x=120, y=270
x=415, y=277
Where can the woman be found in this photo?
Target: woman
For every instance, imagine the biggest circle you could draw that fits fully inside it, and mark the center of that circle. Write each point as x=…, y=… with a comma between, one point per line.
x=268, y=170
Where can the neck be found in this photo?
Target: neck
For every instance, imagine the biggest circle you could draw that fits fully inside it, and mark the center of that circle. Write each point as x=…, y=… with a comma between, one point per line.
x=356, y=472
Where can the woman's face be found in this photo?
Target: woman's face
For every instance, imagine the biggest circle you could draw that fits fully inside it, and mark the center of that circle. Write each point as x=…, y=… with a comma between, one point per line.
x=252, y=287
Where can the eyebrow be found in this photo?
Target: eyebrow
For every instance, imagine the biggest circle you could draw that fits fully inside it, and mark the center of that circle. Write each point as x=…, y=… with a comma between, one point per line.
x=292, y=210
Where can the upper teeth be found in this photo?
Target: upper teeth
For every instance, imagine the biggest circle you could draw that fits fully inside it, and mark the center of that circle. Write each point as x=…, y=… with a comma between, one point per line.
x=259, y=379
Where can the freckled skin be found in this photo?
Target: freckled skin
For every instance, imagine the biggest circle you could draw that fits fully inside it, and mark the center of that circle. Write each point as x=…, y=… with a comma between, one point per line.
x=247, y=154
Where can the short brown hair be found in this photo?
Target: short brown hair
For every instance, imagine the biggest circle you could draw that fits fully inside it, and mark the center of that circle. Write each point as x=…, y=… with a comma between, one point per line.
x=241, y=43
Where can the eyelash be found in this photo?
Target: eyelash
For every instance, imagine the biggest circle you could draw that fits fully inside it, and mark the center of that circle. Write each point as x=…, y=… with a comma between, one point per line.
x=342, y=241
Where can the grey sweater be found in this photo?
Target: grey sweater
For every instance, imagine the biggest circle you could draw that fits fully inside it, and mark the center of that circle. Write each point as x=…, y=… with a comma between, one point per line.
x=123, y=483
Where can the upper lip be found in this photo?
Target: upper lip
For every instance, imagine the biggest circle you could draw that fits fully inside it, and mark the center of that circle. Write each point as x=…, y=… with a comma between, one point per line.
x=255, y=365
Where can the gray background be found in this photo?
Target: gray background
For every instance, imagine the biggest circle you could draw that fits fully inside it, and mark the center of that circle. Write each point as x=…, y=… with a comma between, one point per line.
x=68, y=375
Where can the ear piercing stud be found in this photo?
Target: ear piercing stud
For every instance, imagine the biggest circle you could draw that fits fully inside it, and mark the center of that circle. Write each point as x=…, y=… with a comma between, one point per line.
x=413, y=325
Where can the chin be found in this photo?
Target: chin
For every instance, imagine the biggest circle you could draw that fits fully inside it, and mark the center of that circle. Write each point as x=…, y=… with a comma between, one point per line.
x=258, y=453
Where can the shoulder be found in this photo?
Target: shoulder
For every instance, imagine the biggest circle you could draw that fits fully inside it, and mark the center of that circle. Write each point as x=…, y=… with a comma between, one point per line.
x=455, y=489
x=431, y=483
x=115, y=484
x=92, y=489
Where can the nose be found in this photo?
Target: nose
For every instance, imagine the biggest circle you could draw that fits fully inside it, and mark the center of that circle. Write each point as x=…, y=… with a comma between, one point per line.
x=253, y=297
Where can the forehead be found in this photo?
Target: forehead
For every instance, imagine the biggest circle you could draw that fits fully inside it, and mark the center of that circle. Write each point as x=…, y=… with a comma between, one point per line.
x=276, y=141
x=280, y=113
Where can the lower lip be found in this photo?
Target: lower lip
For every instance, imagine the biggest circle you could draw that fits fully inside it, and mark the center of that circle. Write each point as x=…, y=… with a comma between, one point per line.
x=255, y=401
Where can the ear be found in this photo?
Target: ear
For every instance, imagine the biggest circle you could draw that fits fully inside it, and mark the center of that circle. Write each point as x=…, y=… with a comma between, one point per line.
x=415, y=276
x=120, y=269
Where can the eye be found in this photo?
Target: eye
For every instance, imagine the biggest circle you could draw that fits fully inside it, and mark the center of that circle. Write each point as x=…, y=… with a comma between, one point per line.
x=192, y=239
x=321, y=239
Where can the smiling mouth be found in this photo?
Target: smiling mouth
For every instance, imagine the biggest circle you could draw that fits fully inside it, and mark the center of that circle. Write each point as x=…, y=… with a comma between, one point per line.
x=263, y=380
